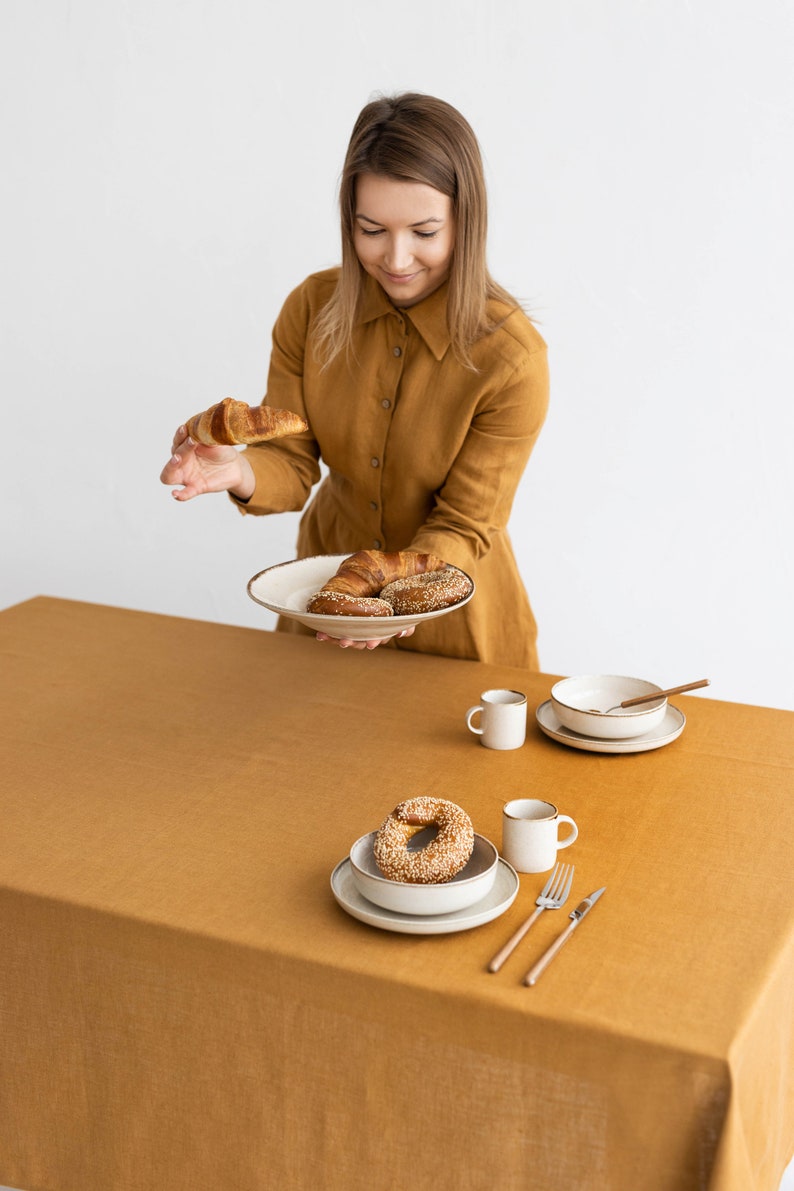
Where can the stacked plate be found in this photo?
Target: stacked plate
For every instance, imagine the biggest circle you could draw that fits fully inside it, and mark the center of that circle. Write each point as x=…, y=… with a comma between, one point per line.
x=481, y=891
x=585, y=713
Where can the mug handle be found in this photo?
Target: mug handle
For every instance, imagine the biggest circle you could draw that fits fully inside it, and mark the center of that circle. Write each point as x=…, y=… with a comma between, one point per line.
x=572, y=834
x=472, y=711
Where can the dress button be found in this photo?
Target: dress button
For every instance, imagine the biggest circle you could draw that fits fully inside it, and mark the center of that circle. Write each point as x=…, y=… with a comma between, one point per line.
x=386, y=403
x=376, y=545
x=373, y=504
x=374, y=462
x=398, y=351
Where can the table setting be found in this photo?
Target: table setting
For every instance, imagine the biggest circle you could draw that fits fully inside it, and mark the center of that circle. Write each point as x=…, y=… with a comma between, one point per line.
x=208, y=946
x=486, y=885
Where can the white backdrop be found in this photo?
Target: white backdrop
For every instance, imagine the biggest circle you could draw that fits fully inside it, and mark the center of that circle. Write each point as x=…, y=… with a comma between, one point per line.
x=169, y=172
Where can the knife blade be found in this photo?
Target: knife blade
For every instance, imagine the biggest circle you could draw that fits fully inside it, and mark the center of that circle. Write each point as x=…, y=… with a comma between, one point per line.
x=584, y=907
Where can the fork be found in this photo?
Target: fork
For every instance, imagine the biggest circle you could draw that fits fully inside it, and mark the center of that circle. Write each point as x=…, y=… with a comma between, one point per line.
x=553, y=895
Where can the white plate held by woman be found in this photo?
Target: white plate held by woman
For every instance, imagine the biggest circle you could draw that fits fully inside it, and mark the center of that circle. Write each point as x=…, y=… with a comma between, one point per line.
x=286, y=588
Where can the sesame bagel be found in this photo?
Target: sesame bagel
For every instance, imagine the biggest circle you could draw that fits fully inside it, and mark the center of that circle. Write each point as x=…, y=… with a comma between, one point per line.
x=441, y=859
x=428, y=592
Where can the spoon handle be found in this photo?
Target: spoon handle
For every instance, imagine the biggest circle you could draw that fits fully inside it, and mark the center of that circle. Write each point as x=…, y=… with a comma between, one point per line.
x=674, y=690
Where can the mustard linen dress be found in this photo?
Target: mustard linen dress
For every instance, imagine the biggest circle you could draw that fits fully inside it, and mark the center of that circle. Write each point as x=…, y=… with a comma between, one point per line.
x=420, y=453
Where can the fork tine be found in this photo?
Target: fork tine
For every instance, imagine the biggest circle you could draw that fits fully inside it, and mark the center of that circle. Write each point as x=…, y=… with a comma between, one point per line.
x=563, y=897
x=545, y=890
x=558, y=885
x=560, y=881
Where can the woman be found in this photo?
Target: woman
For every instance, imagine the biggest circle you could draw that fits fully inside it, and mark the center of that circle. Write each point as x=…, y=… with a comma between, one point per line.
x=423, y=382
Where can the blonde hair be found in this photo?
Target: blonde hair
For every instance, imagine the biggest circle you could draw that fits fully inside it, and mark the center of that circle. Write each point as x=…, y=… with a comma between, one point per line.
x=417, y=138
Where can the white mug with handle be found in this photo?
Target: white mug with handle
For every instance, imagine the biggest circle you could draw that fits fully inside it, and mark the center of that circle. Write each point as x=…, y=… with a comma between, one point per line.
x=530, y=834
x=503, y=719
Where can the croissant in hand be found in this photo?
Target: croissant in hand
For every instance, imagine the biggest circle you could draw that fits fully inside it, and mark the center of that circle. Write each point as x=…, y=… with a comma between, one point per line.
x=233, y=422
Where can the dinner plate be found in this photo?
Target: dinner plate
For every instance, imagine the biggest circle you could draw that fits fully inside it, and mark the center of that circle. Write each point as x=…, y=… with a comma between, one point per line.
x=500, y=898
x=670, y=729
x=286, y=587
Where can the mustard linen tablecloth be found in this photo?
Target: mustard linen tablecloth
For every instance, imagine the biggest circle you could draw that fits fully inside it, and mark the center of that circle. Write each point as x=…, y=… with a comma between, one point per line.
x=183, y=1004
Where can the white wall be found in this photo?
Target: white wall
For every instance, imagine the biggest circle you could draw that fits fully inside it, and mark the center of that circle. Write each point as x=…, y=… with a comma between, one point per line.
x=169, y=172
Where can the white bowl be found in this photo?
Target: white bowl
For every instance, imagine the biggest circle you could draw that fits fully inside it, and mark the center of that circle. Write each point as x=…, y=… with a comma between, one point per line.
x=581, y=704
x=470, y=885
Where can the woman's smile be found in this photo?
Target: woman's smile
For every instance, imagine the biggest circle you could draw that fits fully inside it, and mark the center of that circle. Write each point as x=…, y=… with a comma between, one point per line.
x=404, y=236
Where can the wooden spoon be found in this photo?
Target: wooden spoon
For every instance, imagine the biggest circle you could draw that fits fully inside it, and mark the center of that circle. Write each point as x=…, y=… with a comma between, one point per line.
x=674, y=690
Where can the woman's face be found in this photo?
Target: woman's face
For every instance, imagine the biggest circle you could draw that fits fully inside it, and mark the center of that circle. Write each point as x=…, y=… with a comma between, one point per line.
x=404, y=236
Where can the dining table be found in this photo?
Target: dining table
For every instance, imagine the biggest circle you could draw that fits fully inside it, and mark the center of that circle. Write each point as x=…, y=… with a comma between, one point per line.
x=193, y=995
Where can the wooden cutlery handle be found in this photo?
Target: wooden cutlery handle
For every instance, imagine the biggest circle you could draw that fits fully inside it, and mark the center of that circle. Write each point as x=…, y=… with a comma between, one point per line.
x=549, y=955
x=673, y=690
x=513, y=942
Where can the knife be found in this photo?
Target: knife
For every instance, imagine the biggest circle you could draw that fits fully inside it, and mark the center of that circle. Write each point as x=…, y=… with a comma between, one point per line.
x=577, y=915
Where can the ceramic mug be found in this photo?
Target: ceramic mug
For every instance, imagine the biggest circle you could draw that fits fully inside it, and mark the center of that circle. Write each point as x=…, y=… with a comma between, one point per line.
x=530, y=834
x=503, y=719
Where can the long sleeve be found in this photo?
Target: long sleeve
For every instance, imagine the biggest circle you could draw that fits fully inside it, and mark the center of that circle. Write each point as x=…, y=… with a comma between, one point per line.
x=287, y=468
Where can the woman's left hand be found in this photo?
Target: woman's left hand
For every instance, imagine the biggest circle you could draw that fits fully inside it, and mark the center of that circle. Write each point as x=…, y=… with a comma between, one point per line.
x=346, y=643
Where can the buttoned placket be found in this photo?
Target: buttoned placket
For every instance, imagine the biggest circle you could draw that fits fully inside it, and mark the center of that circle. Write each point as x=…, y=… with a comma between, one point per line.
x=386, y=395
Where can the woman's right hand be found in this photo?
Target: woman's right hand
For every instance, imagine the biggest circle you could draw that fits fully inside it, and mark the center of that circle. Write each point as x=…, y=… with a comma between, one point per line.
x=201, y=469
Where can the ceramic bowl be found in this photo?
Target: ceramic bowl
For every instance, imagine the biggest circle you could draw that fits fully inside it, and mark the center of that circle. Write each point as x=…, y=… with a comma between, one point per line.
x=580, y=704
x=470, y=885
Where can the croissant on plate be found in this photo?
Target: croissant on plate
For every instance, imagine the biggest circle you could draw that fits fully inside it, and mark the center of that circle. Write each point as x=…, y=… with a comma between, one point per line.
x=353, y=589
x=233, y=422
x=367, y=572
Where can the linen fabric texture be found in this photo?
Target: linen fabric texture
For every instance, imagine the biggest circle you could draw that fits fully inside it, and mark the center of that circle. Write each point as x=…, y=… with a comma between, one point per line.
x=421, y=452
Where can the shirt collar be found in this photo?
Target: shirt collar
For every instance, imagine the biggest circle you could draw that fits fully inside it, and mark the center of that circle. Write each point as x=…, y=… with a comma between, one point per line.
x=428, y=316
